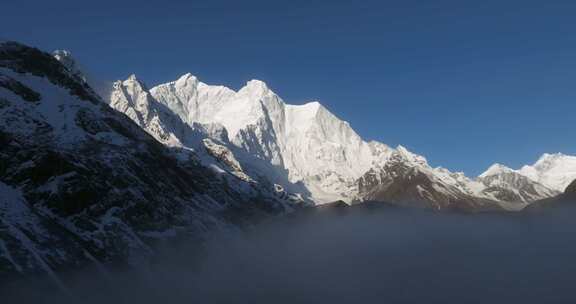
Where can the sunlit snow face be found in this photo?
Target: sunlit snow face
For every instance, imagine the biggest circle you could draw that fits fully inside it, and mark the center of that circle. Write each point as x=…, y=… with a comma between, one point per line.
x=556, y=171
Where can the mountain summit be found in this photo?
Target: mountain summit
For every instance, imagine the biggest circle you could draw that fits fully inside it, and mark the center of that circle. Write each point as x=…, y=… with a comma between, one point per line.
x=555, y=171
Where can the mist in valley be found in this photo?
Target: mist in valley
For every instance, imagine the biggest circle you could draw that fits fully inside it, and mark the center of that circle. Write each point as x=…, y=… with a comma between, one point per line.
x=351, y=255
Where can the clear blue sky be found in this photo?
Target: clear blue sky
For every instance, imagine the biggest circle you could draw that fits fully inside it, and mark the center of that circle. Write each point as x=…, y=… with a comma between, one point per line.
x=466, y=83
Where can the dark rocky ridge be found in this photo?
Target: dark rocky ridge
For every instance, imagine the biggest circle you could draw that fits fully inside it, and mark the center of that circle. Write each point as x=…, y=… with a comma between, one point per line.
x=571, y=190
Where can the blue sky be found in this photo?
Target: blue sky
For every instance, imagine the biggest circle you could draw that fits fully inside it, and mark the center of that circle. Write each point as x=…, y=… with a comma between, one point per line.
x=465, y=83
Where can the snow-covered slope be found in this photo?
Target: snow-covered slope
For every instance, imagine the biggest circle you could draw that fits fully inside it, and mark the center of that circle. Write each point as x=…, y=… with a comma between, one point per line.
x=566, y=199
x=548, y=177
x=506, y=184
x=406, y=178
x=209, y=141
x=556, y=171
x=132, y=98
x=308, y=142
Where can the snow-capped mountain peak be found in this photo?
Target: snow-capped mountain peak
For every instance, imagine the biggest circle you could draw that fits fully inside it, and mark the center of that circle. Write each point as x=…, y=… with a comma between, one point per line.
x=308, y=142
x=548, y=160
x=187, y=80
x=555, y=171
x=190, y=99
x=131, y=97
x=496, y=169
x=256, y=88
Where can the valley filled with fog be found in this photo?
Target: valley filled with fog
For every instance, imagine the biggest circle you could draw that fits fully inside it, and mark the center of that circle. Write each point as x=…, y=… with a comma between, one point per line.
x=353, y=255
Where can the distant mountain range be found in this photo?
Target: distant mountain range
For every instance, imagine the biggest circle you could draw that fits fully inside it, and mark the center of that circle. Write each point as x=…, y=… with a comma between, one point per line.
x=308, y=151
x=93, y=174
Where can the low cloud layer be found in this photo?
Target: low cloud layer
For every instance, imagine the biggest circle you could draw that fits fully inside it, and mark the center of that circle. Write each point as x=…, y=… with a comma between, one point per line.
x=389, y=255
